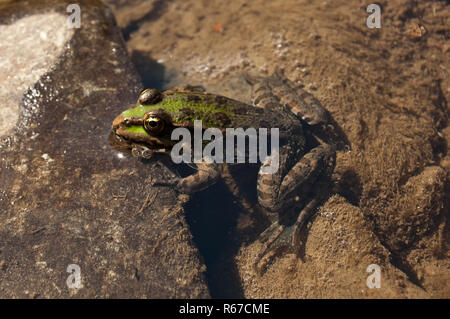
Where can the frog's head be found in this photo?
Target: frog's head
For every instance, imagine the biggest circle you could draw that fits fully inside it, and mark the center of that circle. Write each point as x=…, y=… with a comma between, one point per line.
x=147, y=127
x=144, y=129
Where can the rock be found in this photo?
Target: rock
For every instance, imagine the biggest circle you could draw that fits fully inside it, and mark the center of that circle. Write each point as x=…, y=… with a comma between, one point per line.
x=66, y=198
x=338, y=249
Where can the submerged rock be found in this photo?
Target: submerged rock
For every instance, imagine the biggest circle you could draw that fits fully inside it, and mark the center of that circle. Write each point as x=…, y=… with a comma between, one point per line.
x=66, y=198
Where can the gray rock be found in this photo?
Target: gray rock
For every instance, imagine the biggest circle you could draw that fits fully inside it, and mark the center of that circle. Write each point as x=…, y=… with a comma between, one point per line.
x=65, y=196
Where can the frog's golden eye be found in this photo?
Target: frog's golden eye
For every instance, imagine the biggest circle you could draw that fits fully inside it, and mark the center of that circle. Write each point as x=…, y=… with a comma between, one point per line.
x=149, y=97
x=153, y=124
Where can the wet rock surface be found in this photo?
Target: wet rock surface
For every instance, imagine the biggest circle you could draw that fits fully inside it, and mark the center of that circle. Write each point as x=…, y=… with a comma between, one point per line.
x=65, y=196
x=387, y=89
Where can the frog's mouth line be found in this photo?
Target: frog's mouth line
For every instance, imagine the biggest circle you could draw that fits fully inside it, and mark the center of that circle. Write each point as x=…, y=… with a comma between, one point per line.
x=143, y=150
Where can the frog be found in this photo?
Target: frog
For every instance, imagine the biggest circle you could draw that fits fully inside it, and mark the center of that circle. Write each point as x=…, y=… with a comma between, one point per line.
x=289, y=195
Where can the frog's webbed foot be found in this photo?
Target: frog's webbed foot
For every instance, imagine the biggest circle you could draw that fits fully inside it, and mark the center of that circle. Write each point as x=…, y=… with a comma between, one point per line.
x=277, y=236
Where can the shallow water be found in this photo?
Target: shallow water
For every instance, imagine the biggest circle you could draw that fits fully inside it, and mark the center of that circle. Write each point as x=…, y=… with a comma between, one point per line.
x=386, y=89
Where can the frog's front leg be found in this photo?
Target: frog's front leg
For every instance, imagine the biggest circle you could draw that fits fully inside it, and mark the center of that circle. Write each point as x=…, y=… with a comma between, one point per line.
x=207, y=175
x=282, y=192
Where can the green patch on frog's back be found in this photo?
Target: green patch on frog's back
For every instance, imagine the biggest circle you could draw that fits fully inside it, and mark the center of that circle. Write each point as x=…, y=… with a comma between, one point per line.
x=175, y=104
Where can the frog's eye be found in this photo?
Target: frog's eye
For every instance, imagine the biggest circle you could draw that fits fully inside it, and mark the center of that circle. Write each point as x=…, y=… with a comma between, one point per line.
x=153, y=124
x=149, y=97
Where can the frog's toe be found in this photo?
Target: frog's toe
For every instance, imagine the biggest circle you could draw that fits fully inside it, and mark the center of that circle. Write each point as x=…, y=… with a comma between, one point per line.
x=167, y=177
x=275, y=237
x=171, y=181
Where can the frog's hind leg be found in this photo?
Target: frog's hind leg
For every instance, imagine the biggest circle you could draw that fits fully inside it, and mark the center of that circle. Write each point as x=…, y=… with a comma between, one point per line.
x=281, y=195
x=186, y=88
x=301, y=103
x=277, y=236
x=276, y=88
x=262, y=95
x=282, y=190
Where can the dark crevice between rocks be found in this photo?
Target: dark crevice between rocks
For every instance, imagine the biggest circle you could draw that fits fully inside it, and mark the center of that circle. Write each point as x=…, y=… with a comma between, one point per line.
x=349, y=186
x=444, y=248
x=158, y=8
x=396, y=256
x=440, y=248
x=440, y=115
x=398, y=262
x=151, y=72
x=212, y=216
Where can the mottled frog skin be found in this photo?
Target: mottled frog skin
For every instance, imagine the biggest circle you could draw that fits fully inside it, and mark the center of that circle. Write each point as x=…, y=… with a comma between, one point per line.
x=145, y=130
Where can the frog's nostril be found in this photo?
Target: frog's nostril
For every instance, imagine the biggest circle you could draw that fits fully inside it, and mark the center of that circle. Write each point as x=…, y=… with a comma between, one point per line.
x=307, y=119
x=147, y=154
x=135, y=152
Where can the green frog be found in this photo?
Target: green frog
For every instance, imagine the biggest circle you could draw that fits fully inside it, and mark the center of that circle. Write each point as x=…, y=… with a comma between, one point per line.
x=145, y=132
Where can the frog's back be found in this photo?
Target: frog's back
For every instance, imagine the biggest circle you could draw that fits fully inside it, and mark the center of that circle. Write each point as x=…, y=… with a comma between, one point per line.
x=223, y=112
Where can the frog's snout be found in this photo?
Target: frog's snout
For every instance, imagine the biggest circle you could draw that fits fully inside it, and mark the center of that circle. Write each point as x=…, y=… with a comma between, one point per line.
x=119, y=119
x=140, y=151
